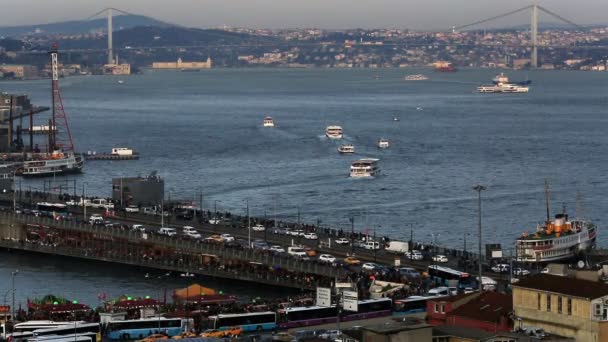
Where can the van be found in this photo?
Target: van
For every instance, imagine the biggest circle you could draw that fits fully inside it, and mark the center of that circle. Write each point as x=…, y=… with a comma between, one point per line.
x=95, y=219
x=297, y=251
x=138, y=228
x=101, y=203
x=397, y=247
x=167, y=231
x=371, y=245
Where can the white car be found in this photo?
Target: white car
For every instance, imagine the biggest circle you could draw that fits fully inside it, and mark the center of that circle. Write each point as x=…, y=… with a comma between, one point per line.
x=138, y=227
x=311, y=236
x=227, y=237
x=277, y=249
x=500, y=268
x=214, y=220
x=342, y=241
x=521, y=272
x=189, y=229
x=96, y=219
x=414, y=255
x=194, y=235
x=327, y=258
x=369, y=266
x=258, y=228
x=167, y=231
x=440, y=258
x=132, y=209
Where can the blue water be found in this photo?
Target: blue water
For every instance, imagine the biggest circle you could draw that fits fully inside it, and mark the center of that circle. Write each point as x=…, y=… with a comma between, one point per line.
x=202, y=132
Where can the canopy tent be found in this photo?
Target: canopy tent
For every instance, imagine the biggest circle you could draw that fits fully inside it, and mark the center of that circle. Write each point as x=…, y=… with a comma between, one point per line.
x=193, y=291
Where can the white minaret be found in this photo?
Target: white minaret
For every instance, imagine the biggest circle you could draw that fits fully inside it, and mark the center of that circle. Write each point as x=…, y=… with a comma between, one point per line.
x=110, y=52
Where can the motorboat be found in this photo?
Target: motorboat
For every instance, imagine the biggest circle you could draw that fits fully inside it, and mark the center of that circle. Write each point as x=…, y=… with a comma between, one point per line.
x=383, y=143
x=268, y=122
x=367, y=167
x=346, y=149
x=334, y=132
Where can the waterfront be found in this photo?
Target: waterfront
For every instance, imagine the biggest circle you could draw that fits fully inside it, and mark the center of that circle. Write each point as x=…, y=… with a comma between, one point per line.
x=203, y=131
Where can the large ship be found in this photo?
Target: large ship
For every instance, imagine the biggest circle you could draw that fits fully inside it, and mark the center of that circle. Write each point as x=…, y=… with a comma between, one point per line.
x=556, y=240
x=56, y=163
x=501, y=84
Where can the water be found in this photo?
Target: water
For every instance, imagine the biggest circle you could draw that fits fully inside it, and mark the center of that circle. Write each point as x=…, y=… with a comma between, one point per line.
x=202, y=132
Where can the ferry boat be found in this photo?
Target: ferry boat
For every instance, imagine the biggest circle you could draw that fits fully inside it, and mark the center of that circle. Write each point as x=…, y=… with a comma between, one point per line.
x=417, y=77
x=555, y=240
x=56, y=163
x=268, y=122
x=367, y=167
x=383, y=143
x=346, y=149
x=501, y=85
x=333, y=132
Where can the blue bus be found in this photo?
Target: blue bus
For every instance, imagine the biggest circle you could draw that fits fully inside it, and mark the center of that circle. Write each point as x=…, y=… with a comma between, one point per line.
x=250, y=321
x=410, y=305
x=142, y=328
x=91, y=330
x=449, y=277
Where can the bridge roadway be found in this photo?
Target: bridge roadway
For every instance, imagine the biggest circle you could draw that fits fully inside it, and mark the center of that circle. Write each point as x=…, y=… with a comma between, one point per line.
x=177, y=254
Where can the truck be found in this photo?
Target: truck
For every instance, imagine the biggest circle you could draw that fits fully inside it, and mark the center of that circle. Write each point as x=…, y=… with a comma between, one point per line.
x=398, y=247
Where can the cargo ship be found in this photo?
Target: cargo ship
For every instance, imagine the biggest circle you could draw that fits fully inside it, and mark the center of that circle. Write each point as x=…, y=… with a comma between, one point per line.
x=444, y=67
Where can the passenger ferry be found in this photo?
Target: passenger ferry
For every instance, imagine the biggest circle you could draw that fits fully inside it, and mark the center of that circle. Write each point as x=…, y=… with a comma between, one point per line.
x=367, y=167
x=383, y=143
x=417, y=77
x=502, y=85
x=56, y=163
x=334, y=132
x=346, y=149
x=557, y=239
x=268, y=122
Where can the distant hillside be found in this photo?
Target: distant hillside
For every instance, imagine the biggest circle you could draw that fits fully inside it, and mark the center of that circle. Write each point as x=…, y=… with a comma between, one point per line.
x=148, y=36
x=120, y=22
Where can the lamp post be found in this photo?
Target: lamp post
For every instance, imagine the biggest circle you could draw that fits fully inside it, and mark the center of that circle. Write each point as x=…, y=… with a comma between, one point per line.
x=13, y=274
x=352, y=234
x=479, y=189
x=84, y=206
x=248, y=224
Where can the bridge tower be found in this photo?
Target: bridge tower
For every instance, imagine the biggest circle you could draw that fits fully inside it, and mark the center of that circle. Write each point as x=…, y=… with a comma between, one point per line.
x=110, y=50
x=534, y=36
x=60, y=136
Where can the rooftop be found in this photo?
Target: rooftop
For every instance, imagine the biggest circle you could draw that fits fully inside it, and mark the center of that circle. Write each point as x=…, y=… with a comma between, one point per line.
x=393, y=326
x=489, y=306
x=564, y=285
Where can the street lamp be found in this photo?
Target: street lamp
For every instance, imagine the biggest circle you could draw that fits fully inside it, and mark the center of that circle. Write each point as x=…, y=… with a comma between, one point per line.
x=352, y=234
x=13, y=274
x=479, y=189
x=84, y=206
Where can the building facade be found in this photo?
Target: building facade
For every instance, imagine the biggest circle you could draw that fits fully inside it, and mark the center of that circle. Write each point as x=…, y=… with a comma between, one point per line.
x=117, y=69
x=20, y=71
x=564, y=306
x=140, y=191
x=183, y=65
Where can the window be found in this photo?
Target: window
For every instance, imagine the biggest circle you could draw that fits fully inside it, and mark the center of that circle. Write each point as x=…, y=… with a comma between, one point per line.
x=559, y=304
x=442, y=308
x=570, y=306
x=538, y=301
x=436, y=307
x=548, y=303
x=597, y=309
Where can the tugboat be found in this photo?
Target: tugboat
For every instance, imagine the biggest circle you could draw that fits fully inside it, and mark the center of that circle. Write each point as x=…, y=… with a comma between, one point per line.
x=557, y=239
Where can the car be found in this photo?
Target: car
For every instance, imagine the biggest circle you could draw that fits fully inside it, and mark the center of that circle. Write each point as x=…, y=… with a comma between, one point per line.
x=311, y=236
x=468, y=290
x=263, y=245
x=453, y=290
x=188, y=229
x=330, y=334
x=184, y=335
x=369, y=266
x=154, y=337
x=441, y=291
x=409, y=273
x=132, y=209
x=213, y=333
x=545, y=270
x=215, y=220
x=227, y=237
x=167, y=231
x=277, y=249
x=342, y=241
x=96, y=219
x=300, y=232
x=281, y=231
x=258, y=228
x=327, y=258
x=194, y=235
x=521, y=272
x=500, y=268
x=214, y=238
x=297, y=251
x=440, y=258
x=233, y=331
x=414, y=255
x=138, y=228
x=351, y=260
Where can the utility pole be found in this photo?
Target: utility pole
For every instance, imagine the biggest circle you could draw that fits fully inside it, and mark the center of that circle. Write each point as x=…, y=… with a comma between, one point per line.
x=352, y=235
x=84, y=206
x=248, y=224
x=13, y=274
x=479, y=189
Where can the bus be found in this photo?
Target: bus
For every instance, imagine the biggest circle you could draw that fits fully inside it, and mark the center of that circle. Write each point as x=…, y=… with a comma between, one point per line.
x=448, y=277
x=92, y=330
x=53, y=210
x=142, y=328
x=24, y=330
x=250, y=321
x=410, y=305
x=306, y=316
x=369, y=308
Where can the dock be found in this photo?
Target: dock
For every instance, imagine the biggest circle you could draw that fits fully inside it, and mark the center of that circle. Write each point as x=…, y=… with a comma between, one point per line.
x=109, y=156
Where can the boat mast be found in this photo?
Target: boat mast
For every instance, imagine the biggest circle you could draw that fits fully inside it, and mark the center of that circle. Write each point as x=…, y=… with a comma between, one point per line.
x=547, y=199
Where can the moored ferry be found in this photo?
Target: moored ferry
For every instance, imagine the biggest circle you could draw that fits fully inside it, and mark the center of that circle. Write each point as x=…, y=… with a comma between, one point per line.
x=268, y=122
x=367, y=167
x=56, y=163
x=346, y=149
x=334, y=132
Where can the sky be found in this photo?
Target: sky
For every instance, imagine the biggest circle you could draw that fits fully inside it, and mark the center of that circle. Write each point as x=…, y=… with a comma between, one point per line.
x=332, y=14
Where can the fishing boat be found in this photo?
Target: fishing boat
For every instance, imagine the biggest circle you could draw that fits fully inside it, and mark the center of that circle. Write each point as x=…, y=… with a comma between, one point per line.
x=334, y=132
x=557, y=239
x=346, y=149
x=367, y=167
x=268, y=122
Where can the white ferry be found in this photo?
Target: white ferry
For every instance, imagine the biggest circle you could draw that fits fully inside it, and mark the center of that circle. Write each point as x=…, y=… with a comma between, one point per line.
x=417, y=77
x=346, y=149
x=268, y=122
x=56, y=163
x=383, y=143
x=367, y=167
x=502, y=85
x=555, y=240
x=334, y=132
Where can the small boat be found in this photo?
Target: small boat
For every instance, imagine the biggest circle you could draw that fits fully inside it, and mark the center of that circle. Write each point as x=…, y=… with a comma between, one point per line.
x=346, y=149
x=121, y=81
x=417, y=77
x=334, y=132
x=395, y=119
x=383, y=143
x=367, y=167
x=268, y=122
x=147, y=275
x=419, y=108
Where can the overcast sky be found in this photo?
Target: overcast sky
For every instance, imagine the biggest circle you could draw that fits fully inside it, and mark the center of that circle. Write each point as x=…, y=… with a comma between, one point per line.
x=414, y=14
